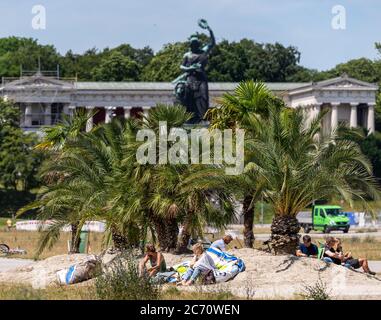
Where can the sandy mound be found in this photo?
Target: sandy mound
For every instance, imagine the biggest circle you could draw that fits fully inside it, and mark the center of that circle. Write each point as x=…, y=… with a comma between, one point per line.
x=266, y=276
x=42, y=273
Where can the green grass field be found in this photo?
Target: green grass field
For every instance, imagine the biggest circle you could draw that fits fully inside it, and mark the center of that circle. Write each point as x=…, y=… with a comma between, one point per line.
x=368, y=246
x=86, y=291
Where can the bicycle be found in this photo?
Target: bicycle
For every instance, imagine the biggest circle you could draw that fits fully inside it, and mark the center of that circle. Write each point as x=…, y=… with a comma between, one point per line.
x=4, y=249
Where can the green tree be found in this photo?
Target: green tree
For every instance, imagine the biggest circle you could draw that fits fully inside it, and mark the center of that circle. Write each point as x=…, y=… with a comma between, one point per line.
x=165, y=65
x=117, y=67
x=229, y=62
x=79, y=184
x=294, y=168
x=249, y=103
x=141, y=56
x=19, y=161
x=80, y=65
x=361, y=69
x=53, y=144
x=178, y=194
x=16, y=52
x=371, y=147
x=87, y=180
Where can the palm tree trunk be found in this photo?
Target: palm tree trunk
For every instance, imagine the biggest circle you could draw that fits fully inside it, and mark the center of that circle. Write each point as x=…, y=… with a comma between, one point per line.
x=182, y=243
x=284, y=234
x=160, y=229
x=183, y=239
x=75, y=239
x=167, y=232
x=120, y=241
x=172, y=233
x=248, y=221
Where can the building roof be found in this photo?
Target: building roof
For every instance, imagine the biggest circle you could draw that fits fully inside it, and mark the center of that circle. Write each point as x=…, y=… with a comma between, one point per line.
x=344, y=82
x=167, y=86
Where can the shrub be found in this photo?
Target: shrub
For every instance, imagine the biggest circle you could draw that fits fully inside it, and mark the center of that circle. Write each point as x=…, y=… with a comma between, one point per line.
x=121, y=281
x=318, y=291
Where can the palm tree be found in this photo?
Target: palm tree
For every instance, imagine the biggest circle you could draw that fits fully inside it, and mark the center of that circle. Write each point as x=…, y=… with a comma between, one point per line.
x=55, y=137
x=154, y=196
x=53, y=143
x=60, y=205
x=88, y=170
x=165, y=192
x=205, y=199
x=96, y=176
x=294, y=164
x=247, y=105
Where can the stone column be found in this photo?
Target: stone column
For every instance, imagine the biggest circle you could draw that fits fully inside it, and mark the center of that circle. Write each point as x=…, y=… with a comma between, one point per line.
x=66, y=109
x=317, y=110
x=334, y=115
x=315, y=114
x=353, y=119
x=371, y=123
x=109, y=114
x=89, y=124
x=127, y=111
x=28, y=115
x=146, y=110
x=48, y=114
x=69, y=110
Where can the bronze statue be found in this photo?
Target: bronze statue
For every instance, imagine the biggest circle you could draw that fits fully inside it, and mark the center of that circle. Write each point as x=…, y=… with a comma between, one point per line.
x=192, y=86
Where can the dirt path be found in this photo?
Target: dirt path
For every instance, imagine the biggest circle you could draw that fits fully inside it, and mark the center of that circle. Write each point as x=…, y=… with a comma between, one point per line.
x=9, y=264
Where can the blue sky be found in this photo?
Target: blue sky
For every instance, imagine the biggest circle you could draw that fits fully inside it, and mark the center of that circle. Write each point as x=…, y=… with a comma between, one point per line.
x=306, y=24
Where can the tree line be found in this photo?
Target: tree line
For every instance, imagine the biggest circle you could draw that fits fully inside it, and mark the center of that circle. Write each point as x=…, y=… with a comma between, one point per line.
x=230, y=61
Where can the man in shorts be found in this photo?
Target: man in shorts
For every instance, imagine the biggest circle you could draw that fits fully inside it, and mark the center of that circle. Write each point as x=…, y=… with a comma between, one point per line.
x=351, y=262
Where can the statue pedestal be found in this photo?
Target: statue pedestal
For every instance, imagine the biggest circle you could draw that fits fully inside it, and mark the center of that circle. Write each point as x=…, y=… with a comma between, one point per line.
x=201, y=125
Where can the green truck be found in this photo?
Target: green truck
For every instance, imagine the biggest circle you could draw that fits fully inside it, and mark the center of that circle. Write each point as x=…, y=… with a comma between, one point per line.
x=325, y=218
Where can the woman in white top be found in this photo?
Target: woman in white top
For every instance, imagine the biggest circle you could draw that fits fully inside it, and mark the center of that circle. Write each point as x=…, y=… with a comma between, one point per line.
x=202, y=263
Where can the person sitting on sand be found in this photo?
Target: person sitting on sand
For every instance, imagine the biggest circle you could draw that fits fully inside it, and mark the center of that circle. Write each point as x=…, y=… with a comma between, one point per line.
x=156, y=260
x=222, y=243
x=201, y=264
x=307, y=248
x=330, y=254
x=351, y=262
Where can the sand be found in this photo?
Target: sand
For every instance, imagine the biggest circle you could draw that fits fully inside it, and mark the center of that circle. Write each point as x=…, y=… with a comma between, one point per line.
x=266, y=276
x=40, y=274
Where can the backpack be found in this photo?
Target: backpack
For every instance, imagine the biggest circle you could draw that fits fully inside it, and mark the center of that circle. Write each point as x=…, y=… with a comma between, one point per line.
x=321, y=247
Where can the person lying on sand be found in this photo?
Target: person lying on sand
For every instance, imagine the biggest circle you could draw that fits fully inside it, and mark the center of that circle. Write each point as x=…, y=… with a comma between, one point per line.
x=222, y=243
x=201, y=264
x=307, y=248
x=350, y=262
x=156, y=260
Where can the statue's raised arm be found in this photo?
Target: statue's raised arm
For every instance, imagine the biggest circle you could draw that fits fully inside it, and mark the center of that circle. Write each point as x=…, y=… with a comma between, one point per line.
x=204, y=25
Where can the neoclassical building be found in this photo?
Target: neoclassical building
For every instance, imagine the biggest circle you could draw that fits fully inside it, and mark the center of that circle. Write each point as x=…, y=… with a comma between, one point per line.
x=42, y=100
